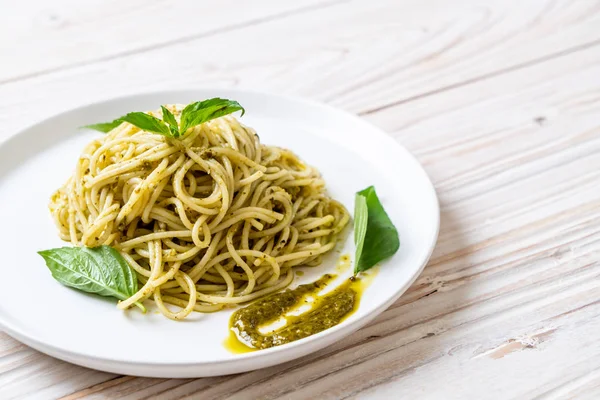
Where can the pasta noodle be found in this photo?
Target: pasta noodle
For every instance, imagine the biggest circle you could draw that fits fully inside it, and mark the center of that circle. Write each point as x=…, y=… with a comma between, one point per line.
x=207, y=220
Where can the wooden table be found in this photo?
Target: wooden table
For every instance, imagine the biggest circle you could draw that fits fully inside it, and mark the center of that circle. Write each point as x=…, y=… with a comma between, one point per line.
x=500, y=101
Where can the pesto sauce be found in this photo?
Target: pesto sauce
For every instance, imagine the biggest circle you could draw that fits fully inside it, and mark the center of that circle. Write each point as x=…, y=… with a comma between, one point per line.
x=326, y=311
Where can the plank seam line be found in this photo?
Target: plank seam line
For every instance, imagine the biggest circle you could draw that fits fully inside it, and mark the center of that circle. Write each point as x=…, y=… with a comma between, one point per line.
x=483, y=77
x=171, y=42
x=97, y=387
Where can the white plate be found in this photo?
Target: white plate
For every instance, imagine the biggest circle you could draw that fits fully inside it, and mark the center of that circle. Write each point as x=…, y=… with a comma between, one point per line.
x=90, y=331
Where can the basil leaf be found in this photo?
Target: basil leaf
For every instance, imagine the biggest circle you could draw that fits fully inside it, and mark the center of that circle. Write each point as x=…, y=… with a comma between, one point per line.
x=375, y=235
x=141, y=120
x=361, y=216
x=193, y=114
x=169, y=118
x=199, y=112
x=147, y=122
x=100, y=270
x=105, y=126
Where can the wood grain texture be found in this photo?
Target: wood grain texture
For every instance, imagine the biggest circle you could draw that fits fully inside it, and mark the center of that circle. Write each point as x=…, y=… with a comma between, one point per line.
x=360, y=55
x=501, y=107
x=66, y=33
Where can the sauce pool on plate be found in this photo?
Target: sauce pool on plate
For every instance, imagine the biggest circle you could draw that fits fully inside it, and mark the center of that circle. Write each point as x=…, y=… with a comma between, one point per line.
x=295, y=314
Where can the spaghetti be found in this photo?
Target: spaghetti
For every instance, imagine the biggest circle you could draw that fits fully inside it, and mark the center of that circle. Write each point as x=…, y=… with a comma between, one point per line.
x=207, y=220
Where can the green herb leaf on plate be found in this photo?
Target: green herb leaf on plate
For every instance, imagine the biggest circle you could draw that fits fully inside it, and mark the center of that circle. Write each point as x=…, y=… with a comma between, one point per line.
x=105, y=126
x=141, y=120
x=202, y=111
x=100, y=270
x=375, y=236
x=169, y=118
x=193, y=114
x=147, y=122
x=361, y=216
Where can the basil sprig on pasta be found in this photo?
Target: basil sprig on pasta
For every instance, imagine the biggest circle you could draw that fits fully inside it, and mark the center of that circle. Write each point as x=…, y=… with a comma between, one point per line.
x=99, y=270
x=375, y=236
x=193, y=114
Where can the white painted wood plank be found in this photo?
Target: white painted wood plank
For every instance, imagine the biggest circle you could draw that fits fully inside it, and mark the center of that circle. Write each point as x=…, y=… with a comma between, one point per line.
x=38, y=36
x=26, y=373
x=360, y=56
x=526, y=368
x=498, y=143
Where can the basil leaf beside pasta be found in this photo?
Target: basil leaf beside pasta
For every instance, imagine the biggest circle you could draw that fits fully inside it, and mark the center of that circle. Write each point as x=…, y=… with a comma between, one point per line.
x=375, y=236
x=201, y=111
x=361, y=216
x=99, y=270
